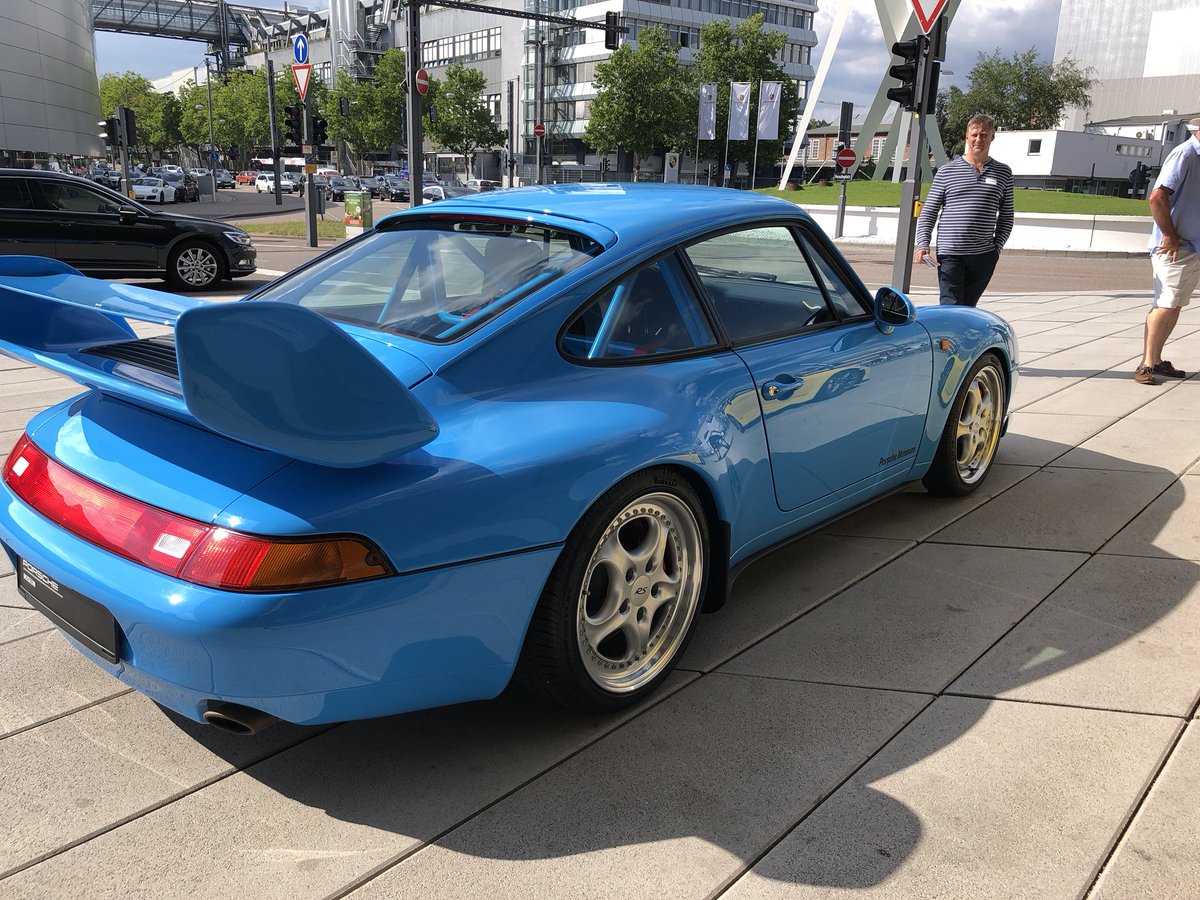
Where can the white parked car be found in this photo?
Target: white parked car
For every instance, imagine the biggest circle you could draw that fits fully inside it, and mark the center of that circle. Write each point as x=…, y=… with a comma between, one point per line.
x=266, y=182
x=153, y=190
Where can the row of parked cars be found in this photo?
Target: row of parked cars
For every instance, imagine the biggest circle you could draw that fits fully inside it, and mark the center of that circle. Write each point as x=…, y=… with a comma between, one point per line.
x=381, y=187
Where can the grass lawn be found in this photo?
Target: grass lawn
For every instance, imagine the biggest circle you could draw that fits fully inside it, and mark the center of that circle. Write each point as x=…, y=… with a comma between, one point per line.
x=326, y=228
x=884, y=193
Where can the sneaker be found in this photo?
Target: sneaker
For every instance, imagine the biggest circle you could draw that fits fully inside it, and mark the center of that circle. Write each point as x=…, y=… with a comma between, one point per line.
x=1166, y=369
x=1144, y=375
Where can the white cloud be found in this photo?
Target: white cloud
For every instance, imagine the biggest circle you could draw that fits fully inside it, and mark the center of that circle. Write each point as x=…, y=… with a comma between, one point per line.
x=862, y=58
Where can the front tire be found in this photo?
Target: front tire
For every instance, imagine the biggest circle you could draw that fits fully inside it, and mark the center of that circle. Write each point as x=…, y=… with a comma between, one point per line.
x=195, y=266
x=968, y=445
x=622, y=601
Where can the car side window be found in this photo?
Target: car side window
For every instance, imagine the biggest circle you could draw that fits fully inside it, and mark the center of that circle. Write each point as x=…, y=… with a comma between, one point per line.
x=76, y=198
x=844, y=300
x=760, y=283
x=651, y=312
x=14, y=194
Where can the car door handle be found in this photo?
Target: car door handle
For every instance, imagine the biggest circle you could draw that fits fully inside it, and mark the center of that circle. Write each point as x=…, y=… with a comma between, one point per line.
x=781, y=387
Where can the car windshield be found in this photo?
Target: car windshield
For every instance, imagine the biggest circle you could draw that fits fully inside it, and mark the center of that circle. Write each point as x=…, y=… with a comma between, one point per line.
x=434, y=280
x=147, y=182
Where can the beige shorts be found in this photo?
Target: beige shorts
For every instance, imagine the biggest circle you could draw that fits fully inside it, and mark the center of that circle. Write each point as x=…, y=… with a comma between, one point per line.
x=1174, y=282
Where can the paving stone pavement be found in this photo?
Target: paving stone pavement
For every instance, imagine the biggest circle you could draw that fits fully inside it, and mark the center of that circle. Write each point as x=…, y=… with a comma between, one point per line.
x=987, y=697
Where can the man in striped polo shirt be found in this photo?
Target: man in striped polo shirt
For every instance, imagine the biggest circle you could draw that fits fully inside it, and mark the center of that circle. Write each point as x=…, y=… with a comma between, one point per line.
x=973, y=193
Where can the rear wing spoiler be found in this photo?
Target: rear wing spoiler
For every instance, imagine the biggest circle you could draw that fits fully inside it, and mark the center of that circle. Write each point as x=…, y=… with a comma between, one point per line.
x=271, y=375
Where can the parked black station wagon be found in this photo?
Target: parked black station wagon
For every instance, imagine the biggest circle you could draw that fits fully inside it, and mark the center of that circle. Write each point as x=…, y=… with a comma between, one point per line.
x=106, y=235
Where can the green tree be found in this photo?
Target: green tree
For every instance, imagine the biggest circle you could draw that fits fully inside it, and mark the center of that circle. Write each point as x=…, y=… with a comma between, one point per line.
x=157, y=115
x=240, y=113
x=748, y=53
x=1020, y=92
x=376, y=119
x=464, y=124
x=641, y=100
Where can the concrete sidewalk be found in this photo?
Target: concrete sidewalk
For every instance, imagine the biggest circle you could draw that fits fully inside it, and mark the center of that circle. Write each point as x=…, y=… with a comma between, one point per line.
x=987, y=697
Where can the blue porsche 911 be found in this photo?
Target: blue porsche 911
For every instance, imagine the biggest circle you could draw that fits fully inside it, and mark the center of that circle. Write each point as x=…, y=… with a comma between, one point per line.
x=528, y=434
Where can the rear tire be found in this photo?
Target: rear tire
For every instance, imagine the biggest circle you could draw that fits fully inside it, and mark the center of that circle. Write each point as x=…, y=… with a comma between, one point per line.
x=622, y=601
x=967, y=448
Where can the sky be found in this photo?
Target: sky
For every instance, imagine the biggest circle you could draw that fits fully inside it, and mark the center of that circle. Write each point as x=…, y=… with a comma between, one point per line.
x=862, y=57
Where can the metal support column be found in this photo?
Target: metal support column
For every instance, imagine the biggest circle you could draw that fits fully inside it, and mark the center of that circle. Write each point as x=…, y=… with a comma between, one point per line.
x=416, y=136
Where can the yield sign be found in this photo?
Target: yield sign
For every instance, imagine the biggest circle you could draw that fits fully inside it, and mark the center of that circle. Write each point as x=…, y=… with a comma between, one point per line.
x=927, y=19
x=301, y=73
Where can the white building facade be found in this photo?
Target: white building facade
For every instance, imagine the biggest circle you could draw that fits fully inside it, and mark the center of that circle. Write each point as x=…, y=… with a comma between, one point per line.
x=507, y=51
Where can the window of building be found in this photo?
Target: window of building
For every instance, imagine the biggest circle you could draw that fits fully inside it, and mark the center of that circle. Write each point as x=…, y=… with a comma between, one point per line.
x=877, y=147
x=1035, y=147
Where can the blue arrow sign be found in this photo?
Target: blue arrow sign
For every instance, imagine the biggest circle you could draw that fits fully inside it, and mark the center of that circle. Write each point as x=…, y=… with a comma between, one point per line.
x=300, y=48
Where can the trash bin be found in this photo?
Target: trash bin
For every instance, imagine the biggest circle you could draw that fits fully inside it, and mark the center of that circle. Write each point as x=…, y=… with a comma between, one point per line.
x=358, y=212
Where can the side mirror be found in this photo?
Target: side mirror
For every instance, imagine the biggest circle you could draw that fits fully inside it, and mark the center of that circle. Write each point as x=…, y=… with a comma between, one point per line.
x=892, y=308
x=127, y=215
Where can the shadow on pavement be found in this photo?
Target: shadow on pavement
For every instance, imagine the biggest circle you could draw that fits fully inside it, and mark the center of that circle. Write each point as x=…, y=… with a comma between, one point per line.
x=735, y=761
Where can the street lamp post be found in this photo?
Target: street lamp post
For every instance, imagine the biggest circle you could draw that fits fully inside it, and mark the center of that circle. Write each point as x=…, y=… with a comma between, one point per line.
x=212, y=146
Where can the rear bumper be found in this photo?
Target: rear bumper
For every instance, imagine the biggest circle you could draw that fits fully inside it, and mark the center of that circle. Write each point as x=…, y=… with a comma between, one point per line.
x=355, y=651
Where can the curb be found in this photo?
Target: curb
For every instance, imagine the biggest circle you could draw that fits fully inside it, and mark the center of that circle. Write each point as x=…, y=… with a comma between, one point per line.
x=841, y=243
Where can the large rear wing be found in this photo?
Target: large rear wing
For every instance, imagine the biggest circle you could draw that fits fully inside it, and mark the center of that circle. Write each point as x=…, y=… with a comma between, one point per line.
x=272, y=375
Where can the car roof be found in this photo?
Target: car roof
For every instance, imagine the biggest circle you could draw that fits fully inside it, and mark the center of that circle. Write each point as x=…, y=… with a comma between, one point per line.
x=636, y=214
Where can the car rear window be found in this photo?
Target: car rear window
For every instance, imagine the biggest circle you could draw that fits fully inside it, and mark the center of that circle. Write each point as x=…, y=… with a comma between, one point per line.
x=434, y=280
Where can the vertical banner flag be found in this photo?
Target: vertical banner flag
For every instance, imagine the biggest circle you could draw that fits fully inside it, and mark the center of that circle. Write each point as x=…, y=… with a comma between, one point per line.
x=707, y=127
x=768, y=110
x=739, y=110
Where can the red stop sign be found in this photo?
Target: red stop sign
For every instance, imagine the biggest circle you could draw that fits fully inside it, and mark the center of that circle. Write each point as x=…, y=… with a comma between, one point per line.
x=846, y=157
x=422, y=82
x=539, y=130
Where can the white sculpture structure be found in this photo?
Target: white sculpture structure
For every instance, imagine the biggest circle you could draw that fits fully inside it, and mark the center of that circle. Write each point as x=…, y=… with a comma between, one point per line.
x=899, y=22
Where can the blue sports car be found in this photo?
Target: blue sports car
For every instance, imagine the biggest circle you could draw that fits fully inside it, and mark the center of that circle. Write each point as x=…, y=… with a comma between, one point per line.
x=531, y=433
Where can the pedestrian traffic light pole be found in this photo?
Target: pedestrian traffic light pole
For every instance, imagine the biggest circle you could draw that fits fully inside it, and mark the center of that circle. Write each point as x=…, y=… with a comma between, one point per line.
x=916, y=93
x=274, y=131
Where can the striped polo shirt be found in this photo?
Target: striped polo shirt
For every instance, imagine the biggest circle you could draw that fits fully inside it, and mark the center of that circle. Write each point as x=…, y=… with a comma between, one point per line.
x=976, y=208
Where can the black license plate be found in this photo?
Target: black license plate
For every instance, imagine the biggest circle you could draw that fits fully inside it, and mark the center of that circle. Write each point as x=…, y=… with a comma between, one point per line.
x=81, y=617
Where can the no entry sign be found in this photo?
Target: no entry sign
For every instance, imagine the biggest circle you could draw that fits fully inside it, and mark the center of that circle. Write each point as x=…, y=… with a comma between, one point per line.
x=846, y=157
x=539, y=129
x=422, y=82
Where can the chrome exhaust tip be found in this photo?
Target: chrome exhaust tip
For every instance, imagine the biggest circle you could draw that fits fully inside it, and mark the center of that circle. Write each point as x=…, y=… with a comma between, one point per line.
x=237, y=719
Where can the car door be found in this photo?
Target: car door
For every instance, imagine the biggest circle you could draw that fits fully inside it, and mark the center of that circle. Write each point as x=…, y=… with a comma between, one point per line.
x=94, y=237
x=843, y=403
x=24, y=227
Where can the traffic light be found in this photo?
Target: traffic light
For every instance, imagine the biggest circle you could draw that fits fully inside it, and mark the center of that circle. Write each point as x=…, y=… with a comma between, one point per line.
x=343, y=106
x=906, y=72
x=604, y=165
x=111, y=132
x=130, y=120
x=320, y=135
x=612, y=38
x=293, y=125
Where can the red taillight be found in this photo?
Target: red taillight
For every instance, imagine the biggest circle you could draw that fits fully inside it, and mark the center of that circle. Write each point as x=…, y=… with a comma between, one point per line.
x=179, y=546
